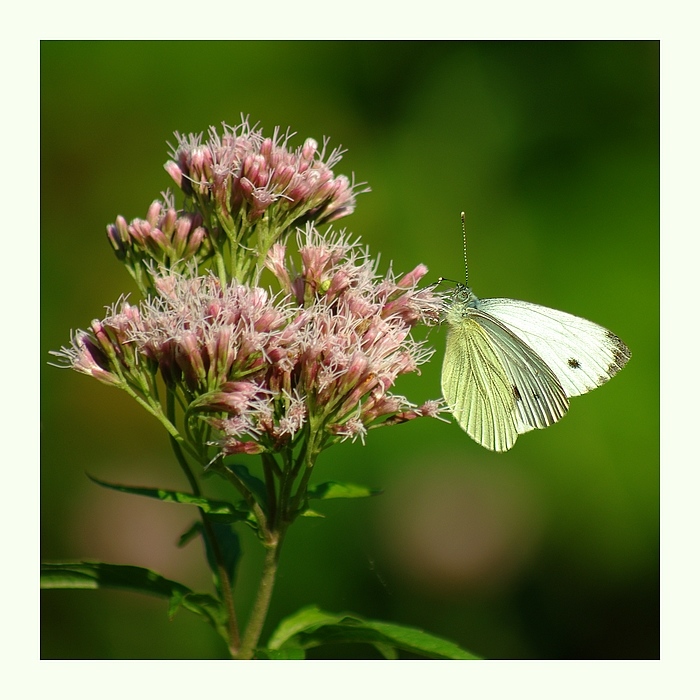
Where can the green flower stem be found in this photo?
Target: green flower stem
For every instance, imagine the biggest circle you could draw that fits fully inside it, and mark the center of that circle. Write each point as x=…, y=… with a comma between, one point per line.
x=290, y=474
x=221, y=267
x=313, y=448
x=254, y=506
x=274, y=537
x=269, y=466
x=262, y=600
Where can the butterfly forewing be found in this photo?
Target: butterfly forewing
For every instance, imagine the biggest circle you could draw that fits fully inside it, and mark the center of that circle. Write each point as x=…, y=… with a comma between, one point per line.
x=582, y=354
x=477, y=388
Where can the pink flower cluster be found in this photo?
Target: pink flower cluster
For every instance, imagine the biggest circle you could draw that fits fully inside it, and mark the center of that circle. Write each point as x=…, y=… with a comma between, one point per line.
x=169, y=237
x=244, y=175
x=341, y=352
x=262, y=369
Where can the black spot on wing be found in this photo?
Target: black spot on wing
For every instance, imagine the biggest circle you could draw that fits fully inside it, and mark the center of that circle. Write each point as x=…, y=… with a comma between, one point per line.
x=573, y=363
x=516, y=393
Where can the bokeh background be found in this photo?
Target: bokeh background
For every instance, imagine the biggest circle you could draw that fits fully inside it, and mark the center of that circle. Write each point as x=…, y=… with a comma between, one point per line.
x=550, y=551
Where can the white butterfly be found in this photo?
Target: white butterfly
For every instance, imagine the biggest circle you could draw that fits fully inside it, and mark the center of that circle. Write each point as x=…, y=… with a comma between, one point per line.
x=511, y=366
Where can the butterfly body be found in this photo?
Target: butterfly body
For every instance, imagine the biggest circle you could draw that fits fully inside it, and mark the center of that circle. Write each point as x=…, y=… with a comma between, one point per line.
x=511, y=366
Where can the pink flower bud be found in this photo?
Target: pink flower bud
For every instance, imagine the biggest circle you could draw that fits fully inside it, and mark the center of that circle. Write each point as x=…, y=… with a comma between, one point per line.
x=175, y=172
x=195, y=242
x=338, y=284
x=246, y=186
x=234, y=397
x=118, y=235
x=140, y=231
x=248, y=448
x=153, y=213
x=91, y=360
x=255, y=169
x=283, y=176
x=309, y=149
x=266, y=147
x=157, y=242
x=298, y=189
x=357, y=368
x=181, y=229
x=188, y=356
x=168, y=220
x=276, y=264
x=200, y=159
x=412, y=278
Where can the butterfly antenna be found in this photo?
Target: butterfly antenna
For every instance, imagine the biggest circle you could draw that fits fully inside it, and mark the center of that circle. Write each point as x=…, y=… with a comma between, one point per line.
x=464, y=249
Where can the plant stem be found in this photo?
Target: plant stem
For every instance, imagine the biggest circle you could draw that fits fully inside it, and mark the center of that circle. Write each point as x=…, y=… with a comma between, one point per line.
x=274, y=534
x=262, y=600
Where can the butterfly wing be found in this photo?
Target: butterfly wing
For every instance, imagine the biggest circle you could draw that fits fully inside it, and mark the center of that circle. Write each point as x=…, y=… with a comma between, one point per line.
x=582, y=354
x=476, y=387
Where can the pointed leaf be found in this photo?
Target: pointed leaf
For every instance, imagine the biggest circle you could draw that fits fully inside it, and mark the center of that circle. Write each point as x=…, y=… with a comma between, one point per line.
x=256, y=485
x=337, y=489
x=418, y=641
x=307, y=618
x=311, y=627
x=221, y=510
x=230, y=551
x=190, y=533
x=96, y=575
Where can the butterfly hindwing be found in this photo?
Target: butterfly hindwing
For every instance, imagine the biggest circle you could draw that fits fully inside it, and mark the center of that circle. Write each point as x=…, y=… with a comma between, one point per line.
x=477, y=388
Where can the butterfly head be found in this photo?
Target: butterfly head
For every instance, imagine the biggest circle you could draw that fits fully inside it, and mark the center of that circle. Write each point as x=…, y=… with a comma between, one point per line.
x=457, y=301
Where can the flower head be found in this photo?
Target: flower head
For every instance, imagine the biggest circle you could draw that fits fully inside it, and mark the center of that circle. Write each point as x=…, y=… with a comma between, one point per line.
x=257, y=188
x=247, y=174
x=326, y=351
x=254, y=370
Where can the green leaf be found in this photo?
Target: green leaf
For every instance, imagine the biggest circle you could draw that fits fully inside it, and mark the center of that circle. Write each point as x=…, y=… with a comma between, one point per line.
x=305, y=619
x=226, y=540
x=218, y=510
x=255, y=485
x=188, y=535
x=386, y=651
x=337, y=489
x=94, y=575
x=229, y=547
x=311, y=627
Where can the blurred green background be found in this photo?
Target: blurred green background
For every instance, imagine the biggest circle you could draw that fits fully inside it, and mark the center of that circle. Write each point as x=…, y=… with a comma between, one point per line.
x=550, y=551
